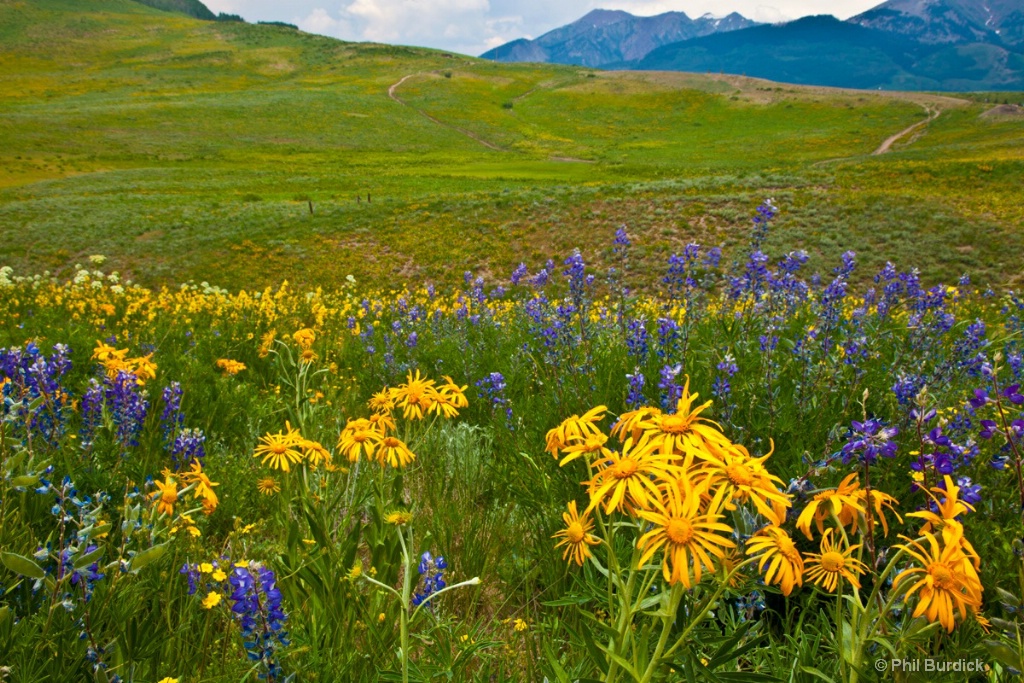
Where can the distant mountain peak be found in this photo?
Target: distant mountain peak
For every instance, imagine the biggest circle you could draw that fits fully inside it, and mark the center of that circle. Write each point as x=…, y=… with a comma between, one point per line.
x=602, y=17
x=603, y=38
x=949, y=21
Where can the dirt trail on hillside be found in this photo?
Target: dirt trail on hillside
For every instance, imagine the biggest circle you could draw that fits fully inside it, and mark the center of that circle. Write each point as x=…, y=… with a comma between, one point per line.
x=469, y=134
x=933, y=113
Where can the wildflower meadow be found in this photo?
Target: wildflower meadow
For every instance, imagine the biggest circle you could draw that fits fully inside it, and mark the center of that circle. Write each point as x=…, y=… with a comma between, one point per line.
x=754, y=467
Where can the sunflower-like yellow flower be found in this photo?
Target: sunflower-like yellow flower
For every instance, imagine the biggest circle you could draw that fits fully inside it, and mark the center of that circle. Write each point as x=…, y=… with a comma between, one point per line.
x=307, y=355
x=105, y=353
x=574, y=429
x=415, y=396
x=230, y=367
x=398, y=518
x=382, y=423
x=304, y=338
x=945, y=581
x=743, y=477
x=166, y=495
x=833, y=563
x=383, y=401
x=394, y=452
x=628, y=480
x=143, y=368
x=359, y=439
x=203, y=486
x=443, y=405
x=280, y=451
x=268, y=486
x=877, y=505
x=314, y=452
x=689, y=538
x=593, y=447
x=776, y=549
x=266, y=341
x=684, y=430
x=831, y=502
x=212, y=600
x=455, y=394
x=576, y=536
x=950, y=508
x=633, y=423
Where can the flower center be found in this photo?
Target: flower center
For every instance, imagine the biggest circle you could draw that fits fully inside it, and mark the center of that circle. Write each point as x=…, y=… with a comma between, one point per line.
x=575, y=532
x=942, y=576
x=594, y=444
x=739, y=475
x=679, y=530
x=625, y=468
x=674, y=424
x=832, y=562
x=278, y=449
x=390, y=442
x=360, y=437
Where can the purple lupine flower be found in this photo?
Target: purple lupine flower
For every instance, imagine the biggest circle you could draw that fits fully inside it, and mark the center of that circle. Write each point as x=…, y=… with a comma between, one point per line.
x=1012, y=393
x=171, y=419
x=518, y=274
x=189, y=446
x=868, y=440
x=635, y=396
x=128, y=408
x=257, y=605
x=431, y=577
x=636, y=339
x=492, y=387
x=980, y=398
x=671, y=390
x=622, y=239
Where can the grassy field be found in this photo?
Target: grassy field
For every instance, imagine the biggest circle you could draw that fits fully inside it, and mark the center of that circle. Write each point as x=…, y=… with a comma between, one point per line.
x=206, y=485
x=191, y=150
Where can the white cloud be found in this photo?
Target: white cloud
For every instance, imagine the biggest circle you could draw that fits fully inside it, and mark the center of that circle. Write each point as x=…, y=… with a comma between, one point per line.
x=319, y=21
x=474, y=26
x=769, y=15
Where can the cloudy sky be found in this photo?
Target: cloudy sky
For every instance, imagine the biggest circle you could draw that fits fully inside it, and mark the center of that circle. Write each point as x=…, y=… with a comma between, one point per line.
x=474, y=26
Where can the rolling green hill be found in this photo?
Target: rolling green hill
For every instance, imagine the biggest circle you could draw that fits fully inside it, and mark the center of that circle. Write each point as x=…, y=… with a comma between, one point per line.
x=193, y=149
x=191, y=8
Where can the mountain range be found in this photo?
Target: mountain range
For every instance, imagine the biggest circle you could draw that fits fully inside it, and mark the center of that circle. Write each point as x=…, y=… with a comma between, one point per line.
x=605, y=37
x=954, y=45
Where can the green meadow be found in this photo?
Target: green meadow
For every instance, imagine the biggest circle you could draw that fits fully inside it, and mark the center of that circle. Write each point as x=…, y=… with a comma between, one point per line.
x=185, y=149
x=340, y=461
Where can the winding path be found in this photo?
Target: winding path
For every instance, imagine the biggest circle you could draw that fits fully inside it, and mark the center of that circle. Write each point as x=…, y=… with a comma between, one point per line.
x=392, y=93
x=893, y=139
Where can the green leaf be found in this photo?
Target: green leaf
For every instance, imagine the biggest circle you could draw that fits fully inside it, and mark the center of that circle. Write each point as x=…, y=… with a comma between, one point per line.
x=88, y=558
x=626, y=665
x=593, y=648
x=1003, y=653
x=100, y=529
x=556, y=666
x=570, y=600
x=148, y=556
x=20, y=564
x=25, y=481
x=816, y=673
